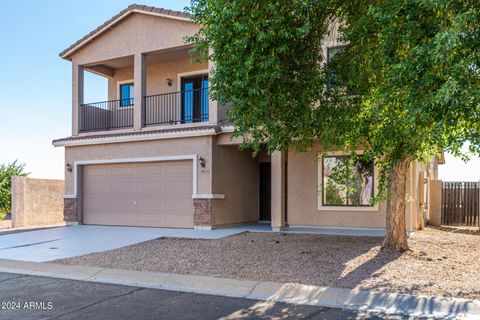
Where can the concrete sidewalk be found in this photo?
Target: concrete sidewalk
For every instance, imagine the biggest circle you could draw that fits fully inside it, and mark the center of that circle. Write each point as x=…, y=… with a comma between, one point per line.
x=389, y=303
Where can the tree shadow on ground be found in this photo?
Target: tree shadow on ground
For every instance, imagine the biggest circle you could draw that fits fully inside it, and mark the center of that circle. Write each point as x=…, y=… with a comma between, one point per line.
x=458, y=229
x=368, y=269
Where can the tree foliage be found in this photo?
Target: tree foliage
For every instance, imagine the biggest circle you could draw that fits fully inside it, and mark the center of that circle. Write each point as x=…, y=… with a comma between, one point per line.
x=413, y=70
x=267, y=63
x=410, y=78
x=7, y=171
x=405, y=87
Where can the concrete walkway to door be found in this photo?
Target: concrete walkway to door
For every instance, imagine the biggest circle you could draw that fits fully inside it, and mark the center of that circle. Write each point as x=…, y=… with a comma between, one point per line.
x=65, y=242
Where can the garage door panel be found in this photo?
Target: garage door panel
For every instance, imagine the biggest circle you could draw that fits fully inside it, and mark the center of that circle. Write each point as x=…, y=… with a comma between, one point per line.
x=150, y=187
x=146, y=204
x=139, y=194
x=175, y=168
x=175, y=202
x=122, y=204
x=122, y=171
x=98, y=212
x=97, y=185
x=97, y=171
x=177, y=186
x=150, y=170
x=123, y=187
x=123, y=219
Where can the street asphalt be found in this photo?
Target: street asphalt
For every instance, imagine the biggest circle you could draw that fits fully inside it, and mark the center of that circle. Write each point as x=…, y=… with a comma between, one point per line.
x=32, y=297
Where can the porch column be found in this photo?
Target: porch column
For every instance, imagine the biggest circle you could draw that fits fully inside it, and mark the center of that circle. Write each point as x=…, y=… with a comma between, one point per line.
x=278, y=190
x=139, y=87
x=77, y=95
x=212, y=104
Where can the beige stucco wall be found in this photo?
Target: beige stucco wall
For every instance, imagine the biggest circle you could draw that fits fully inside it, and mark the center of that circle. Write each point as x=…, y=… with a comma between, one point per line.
x=302, y=198
x=302, y=201
x=302, y=206
x=418, y=193
x=411, y=206
x=135, y=34
x=156, y=74
x=36, y=202
x=236, y=175
x=435, y=202
x=200, y=146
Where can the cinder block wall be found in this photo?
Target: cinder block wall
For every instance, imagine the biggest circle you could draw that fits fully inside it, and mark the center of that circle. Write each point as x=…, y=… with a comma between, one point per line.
x=36, y=202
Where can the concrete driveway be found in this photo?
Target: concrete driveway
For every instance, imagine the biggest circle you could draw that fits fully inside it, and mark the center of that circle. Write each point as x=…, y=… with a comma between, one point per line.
x=65, y=242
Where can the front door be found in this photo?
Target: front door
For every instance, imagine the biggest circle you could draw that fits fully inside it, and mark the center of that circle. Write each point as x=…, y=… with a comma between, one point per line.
x=265, y=191
x=194, y=99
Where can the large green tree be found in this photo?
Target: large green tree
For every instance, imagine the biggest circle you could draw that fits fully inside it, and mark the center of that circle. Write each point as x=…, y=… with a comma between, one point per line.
x=405, y=86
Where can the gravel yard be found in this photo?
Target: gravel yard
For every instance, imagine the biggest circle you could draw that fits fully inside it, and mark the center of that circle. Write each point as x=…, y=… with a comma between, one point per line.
x=443, y=262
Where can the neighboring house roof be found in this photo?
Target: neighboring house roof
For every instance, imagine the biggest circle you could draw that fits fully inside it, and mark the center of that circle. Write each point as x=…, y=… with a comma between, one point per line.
x=113, y=137
x=134, y=8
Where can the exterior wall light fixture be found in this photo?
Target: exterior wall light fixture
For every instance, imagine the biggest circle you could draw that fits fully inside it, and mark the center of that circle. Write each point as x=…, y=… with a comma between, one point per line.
x=202, y=162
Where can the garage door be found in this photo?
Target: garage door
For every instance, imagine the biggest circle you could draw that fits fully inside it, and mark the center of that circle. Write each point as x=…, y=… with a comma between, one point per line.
x=139, y=194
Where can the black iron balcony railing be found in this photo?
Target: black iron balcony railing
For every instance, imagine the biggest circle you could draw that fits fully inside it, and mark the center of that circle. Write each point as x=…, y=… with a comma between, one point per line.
x=176, y=107
x=106, y=115
x=168, y=108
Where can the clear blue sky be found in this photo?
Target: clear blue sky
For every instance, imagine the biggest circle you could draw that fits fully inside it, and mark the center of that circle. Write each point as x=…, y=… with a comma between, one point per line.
x=35, y=84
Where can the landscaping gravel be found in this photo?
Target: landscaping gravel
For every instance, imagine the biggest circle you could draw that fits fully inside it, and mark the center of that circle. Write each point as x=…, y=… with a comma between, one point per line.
x=443, y=262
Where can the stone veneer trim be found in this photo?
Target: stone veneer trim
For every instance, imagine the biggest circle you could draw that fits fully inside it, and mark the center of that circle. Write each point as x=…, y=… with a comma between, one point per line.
x=70, y=210
x=202, y=213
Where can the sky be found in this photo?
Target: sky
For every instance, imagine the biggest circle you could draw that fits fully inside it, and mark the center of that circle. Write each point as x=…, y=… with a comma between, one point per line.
x=35, y=83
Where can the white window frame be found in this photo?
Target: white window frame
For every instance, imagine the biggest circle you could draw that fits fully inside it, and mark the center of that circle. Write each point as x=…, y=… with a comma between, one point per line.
x=179, y=87
x=320, y=205
x=188, y=74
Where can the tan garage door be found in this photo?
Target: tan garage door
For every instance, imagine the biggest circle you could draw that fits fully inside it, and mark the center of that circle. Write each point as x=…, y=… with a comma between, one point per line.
x=139, y=194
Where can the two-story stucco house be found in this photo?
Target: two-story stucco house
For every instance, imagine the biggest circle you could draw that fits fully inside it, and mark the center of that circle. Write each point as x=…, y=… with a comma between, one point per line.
x=159, y=152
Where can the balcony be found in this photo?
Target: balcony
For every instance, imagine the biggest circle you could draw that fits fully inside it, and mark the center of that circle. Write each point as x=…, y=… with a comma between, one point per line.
x=176, y=108
x=106, y=115
x=182, y=107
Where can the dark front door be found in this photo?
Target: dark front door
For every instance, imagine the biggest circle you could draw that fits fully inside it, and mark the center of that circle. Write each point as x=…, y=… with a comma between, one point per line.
x=265, y=191
x=194, y=99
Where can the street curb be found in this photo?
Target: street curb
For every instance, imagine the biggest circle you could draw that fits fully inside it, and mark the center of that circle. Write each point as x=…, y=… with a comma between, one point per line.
x=389, y=303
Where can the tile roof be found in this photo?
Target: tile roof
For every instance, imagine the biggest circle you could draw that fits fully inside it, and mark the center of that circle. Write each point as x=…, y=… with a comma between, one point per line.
x=136, y=133
x=129, y=9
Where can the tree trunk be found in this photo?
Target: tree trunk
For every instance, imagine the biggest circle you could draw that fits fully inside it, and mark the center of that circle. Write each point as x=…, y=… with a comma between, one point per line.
x=396, y=232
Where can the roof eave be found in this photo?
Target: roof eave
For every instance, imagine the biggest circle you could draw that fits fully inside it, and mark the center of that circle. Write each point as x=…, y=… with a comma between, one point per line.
x=66, y=54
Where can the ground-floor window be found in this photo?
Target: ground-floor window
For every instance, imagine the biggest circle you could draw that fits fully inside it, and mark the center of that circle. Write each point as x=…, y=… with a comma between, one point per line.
x=347, y=181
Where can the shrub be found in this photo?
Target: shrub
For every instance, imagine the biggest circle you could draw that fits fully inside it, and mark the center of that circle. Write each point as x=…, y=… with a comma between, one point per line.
x=7, y=171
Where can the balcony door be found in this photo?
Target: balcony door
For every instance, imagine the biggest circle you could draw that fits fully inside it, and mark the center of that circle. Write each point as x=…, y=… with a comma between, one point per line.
x=194, y=98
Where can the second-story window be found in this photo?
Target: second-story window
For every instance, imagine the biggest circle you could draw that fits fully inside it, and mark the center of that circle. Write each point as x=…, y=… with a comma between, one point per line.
x=126, y=94
x=331, y=52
